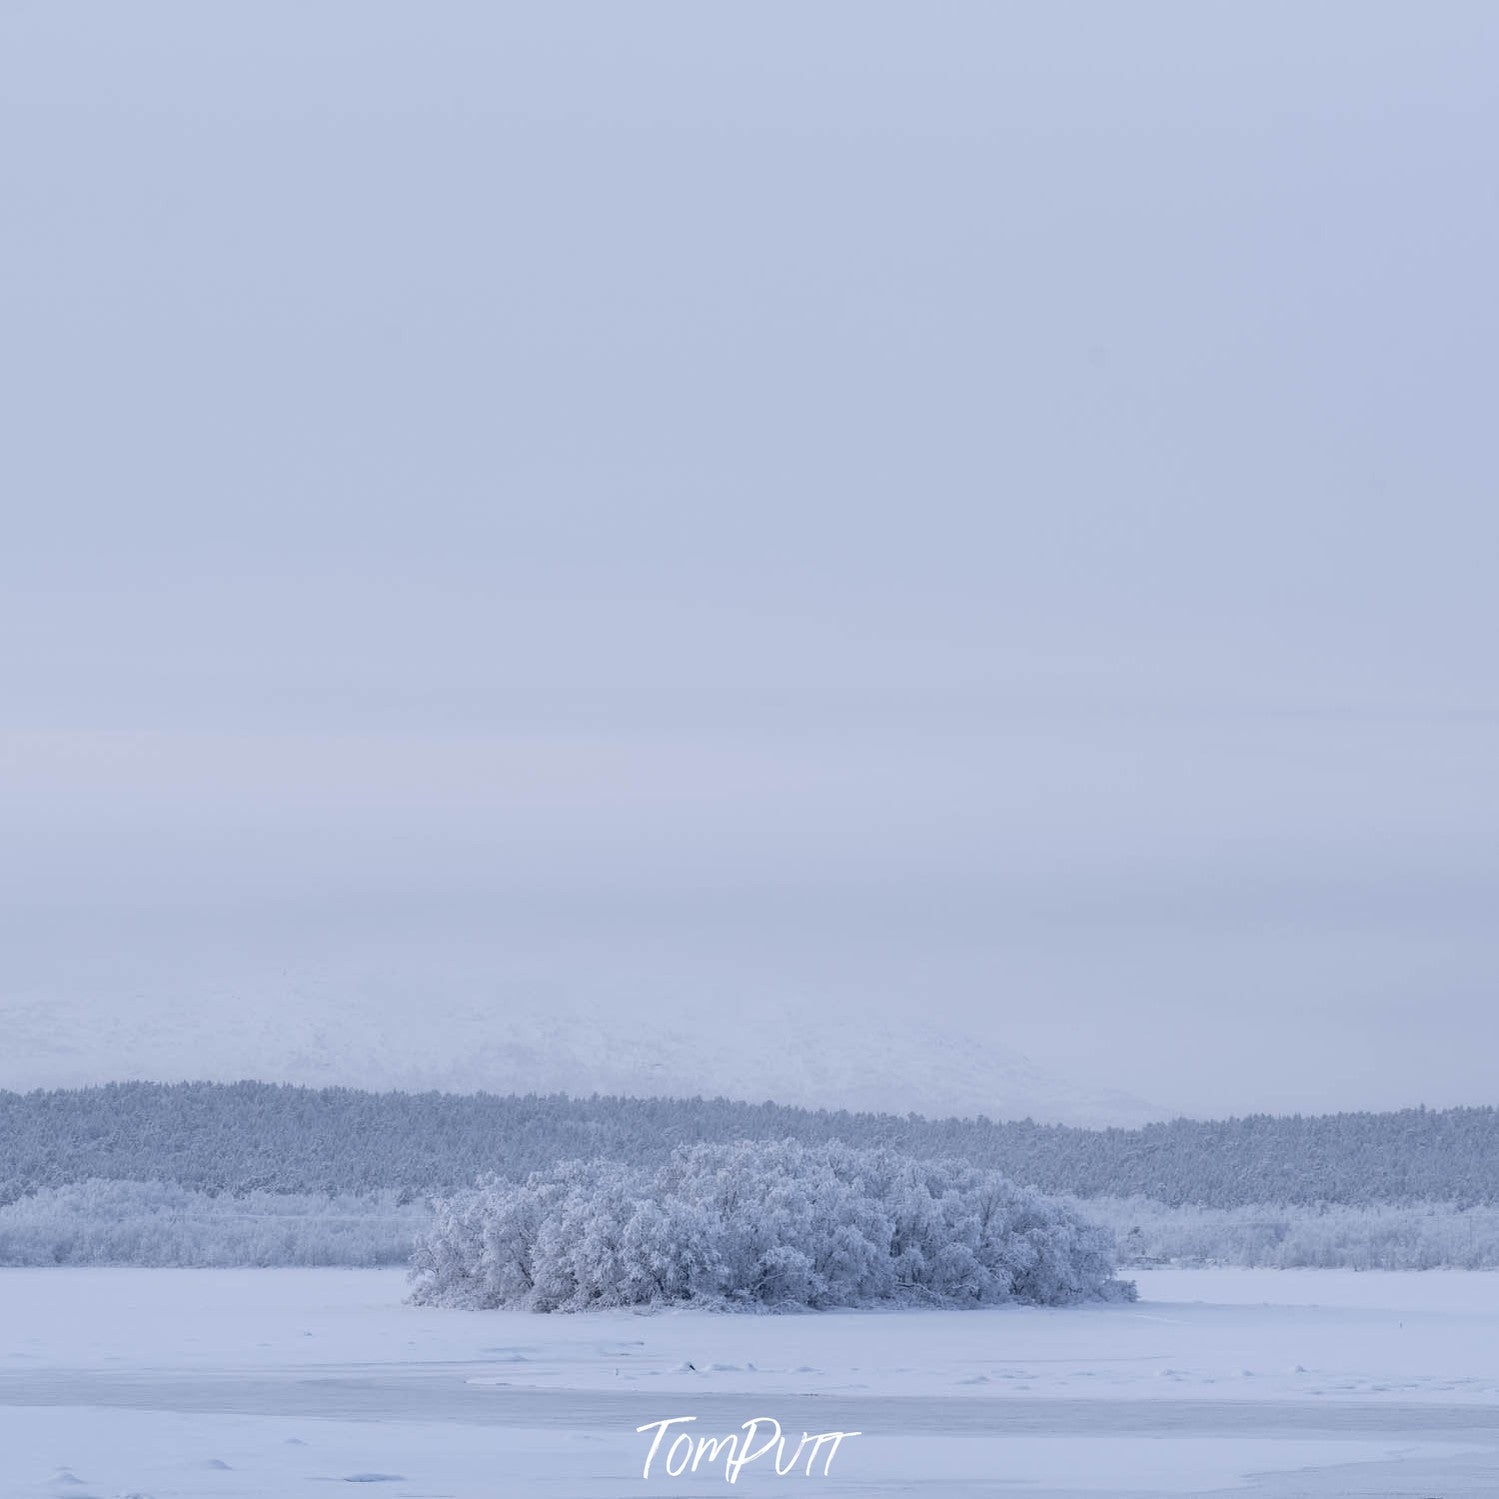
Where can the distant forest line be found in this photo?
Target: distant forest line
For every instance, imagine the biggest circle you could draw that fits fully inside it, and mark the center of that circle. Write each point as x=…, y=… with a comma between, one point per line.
x=244, y=1137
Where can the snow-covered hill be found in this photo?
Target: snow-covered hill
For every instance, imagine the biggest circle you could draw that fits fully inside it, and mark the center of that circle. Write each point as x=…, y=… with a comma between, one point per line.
x=314, y=1028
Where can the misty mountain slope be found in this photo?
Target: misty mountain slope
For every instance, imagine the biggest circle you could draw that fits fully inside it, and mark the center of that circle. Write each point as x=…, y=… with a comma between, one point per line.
x=311, y=1030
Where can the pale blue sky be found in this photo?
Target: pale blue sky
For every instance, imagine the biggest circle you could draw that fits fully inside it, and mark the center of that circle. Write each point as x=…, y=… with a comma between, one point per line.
x=980, y=507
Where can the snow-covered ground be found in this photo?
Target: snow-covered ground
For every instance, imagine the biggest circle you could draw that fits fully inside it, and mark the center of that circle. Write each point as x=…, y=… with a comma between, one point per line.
x=178, y=1383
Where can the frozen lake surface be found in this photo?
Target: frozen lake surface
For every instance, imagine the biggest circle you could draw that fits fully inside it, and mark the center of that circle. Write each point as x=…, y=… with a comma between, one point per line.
x=177, y=1384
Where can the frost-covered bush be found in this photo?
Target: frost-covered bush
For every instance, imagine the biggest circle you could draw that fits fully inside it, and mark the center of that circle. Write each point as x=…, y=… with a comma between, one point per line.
x=761, y=1225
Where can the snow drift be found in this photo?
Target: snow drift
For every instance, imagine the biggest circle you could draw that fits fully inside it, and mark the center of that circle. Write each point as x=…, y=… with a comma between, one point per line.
x=756, y=1225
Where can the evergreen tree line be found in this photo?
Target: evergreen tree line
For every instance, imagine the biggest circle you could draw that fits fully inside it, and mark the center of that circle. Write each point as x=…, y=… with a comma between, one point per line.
x=243, y=1137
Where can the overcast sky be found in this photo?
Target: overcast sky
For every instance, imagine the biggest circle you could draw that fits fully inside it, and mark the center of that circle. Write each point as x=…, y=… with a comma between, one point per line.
x=987, y=509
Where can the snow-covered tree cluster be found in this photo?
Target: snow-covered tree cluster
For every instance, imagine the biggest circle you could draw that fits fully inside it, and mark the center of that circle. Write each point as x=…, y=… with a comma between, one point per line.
x=761, y=1225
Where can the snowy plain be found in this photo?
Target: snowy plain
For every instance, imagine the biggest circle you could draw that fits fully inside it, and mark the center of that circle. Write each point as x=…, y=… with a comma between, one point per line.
x=182, y=1384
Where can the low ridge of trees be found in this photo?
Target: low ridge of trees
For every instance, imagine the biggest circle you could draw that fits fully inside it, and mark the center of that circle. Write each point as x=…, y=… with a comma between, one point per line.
x=256, y=1173
x=160, y=1223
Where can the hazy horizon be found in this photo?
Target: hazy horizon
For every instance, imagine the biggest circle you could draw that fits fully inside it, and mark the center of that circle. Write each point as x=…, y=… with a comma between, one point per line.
x=985, y=514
